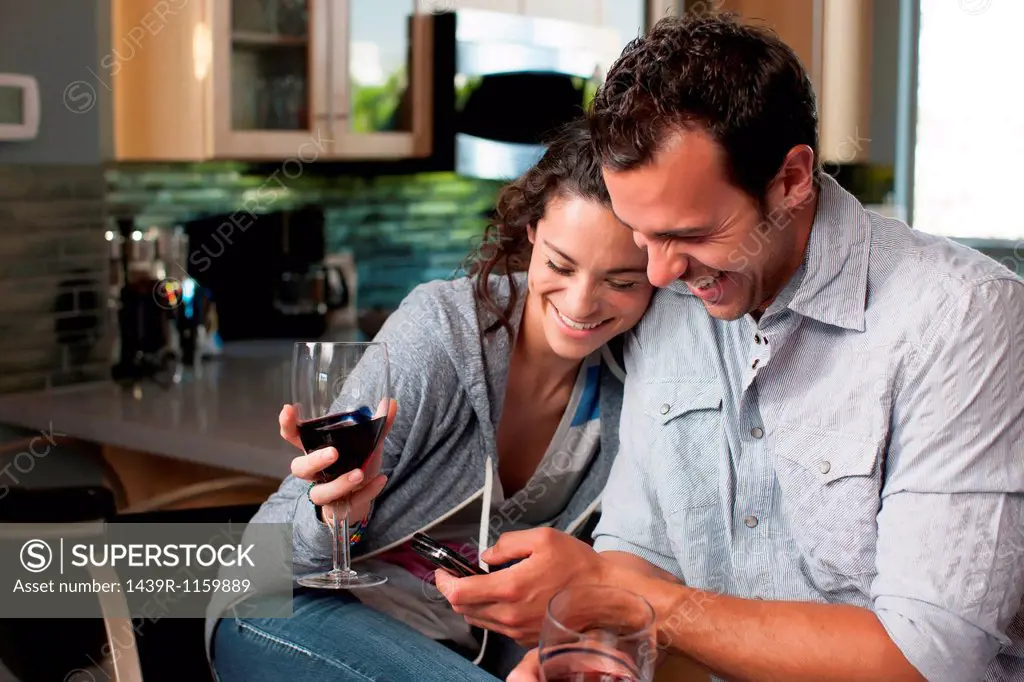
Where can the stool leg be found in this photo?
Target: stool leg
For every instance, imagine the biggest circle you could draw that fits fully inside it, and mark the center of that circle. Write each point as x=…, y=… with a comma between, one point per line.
x=124, y=652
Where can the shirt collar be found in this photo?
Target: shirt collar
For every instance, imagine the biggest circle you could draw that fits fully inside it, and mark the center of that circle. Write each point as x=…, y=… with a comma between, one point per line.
x=833, y=279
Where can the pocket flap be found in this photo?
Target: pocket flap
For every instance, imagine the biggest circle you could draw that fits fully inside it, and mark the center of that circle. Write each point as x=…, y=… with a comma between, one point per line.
x=831, y=455
x=667, y=400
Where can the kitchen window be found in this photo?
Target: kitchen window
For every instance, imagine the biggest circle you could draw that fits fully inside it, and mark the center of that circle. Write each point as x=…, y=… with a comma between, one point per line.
x=969, y=129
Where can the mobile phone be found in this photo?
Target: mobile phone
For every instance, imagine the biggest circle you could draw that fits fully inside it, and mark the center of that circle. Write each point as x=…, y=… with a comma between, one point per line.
x=444, y=557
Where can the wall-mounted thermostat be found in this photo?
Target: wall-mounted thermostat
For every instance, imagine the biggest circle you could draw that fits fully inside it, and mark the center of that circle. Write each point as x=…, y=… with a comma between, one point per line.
x=19, y=107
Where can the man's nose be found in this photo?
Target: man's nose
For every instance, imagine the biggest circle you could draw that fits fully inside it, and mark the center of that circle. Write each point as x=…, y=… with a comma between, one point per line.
x=665, y=268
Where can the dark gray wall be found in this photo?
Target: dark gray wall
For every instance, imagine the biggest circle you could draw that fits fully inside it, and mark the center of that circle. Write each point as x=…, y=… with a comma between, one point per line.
x=884, y=81
x=57, y=42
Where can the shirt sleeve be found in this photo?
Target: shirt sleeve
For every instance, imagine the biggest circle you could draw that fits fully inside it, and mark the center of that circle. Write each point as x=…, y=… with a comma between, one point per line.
x=631, y=518
x=950, y=553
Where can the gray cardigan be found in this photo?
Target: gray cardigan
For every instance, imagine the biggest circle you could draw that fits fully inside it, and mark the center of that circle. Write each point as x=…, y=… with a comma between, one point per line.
x=449, y=381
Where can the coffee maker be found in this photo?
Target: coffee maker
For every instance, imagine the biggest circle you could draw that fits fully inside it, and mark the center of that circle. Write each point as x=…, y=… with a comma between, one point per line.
x=148, y=295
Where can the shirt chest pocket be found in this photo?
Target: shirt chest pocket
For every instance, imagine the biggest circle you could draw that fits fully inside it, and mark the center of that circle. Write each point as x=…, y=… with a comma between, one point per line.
x=685, y=430
x=830, y=485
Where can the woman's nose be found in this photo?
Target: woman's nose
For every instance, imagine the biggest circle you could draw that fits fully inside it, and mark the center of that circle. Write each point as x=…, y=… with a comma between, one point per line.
x=582, y=302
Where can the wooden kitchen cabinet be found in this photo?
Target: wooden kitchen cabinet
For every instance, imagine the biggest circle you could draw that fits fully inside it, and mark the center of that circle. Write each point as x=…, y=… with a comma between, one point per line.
x=833, y=40
x=271, y=80
x=382, y=65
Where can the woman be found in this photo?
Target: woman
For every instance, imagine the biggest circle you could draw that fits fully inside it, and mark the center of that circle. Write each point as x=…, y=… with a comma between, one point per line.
x=508, y=394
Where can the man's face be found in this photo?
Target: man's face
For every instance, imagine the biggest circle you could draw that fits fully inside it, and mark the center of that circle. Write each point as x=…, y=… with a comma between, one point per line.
x=698, y=227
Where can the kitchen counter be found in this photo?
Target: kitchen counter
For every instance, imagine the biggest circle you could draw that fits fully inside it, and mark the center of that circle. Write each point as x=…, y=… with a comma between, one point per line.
x=222, y=413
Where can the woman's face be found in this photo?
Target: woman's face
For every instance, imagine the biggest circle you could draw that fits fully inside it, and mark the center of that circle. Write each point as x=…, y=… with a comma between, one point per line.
x=587, y=275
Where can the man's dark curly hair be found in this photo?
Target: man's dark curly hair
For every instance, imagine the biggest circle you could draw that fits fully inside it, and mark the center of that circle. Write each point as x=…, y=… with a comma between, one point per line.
x=568, y=169
x=738, y=82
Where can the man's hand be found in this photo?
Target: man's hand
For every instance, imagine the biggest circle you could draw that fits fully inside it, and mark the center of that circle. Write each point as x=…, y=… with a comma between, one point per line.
x=513, y=601
x=528, y=669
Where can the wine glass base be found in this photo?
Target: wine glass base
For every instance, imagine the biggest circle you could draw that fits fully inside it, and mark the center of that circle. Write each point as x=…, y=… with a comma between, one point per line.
x=342, y=580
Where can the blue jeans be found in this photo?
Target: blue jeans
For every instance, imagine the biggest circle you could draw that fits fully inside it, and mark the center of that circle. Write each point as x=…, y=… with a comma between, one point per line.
x=333, y=636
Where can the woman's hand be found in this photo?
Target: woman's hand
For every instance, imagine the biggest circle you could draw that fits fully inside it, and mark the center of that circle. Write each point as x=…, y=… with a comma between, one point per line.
x=357, y=489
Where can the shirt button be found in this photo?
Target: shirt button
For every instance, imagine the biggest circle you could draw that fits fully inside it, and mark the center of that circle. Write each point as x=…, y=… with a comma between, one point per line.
x=754, y=366
x=757, y=432
x=757, y=338
x=824, y=466
x=665, y=408
x=750, y=521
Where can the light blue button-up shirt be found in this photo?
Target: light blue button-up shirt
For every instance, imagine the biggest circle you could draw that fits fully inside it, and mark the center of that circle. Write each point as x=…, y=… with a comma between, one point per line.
x=861, y=444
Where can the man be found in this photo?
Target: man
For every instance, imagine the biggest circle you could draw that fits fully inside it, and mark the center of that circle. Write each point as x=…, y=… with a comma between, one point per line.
x=821, y=472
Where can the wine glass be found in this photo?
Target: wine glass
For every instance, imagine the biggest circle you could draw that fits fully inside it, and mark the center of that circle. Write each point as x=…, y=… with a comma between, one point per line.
x=596, y=633
x=342, y=394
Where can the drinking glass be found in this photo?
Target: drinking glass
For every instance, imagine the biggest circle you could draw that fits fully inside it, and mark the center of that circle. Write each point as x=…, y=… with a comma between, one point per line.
x=596, y=633
x=342, y=394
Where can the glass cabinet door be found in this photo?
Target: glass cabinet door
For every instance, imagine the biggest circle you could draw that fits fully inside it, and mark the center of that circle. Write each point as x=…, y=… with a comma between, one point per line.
x=381, y=95
x=270, y=65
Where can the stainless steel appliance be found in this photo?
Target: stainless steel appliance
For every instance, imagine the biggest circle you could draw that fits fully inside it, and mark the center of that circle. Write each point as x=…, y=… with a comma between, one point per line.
x=504, y=82
x=343, y=317
x=312, y=291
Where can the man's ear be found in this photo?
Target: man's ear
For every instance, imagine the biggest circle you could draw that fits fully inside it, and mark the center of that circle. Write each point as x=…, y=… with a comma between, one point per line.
x=794, y=184
x=531, y=233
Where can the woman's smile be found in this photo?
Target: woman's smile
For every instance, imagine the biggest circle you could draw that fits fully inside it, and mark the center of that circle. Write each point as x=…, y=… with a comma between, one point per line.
x=576, y=328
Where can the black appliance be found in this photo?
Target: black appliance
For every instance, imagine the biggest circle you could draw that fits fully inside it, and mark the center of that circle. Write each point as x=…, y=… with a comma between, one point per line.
x=504, y=82
x=266, y=273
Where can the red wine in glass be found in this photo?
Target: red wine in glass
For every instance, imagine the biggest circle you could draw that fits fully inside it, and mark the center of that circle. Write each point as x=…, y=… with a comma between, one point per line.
x=597, y=633
x=341, y=392
x=353, y=434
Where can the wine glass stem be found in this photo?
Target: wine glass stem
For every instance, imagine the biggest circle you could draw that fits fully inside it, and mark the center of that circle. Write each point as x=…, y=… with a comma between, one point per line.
x=342, y=561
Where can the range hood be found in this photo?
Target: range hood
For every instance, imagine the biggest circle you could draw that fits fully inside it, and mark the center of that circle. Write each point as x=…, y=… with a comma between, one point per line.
x=504, y=82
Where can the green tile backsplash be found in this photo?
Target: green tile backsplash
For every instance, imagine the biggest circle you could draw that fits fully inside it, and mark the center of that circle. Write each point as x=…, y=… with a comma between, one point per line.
x=402, y=229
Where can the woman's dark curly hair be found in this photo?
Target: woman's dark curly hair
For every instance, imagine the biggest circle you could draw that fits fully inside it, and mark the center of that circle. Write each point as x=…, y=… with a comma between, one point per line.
x=567, y=169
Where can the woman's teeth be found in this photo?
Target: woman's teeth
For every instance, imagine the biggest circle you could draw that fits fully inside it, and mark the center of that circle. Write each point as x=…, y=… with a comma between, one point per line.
x=578, y=326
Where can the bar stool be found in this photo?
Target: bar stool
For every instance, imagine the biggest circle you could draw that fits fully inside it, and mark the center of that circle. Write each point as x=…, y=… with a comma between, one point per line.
x=52, y=479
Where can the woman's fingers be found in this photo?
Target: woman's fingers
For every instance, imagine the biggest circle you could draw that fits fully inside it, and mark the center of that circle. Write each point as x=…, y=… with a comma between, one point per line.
x=308, y=466
x=358, y=505
x=362, y=498
x=339, y=488
x=288, y=421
